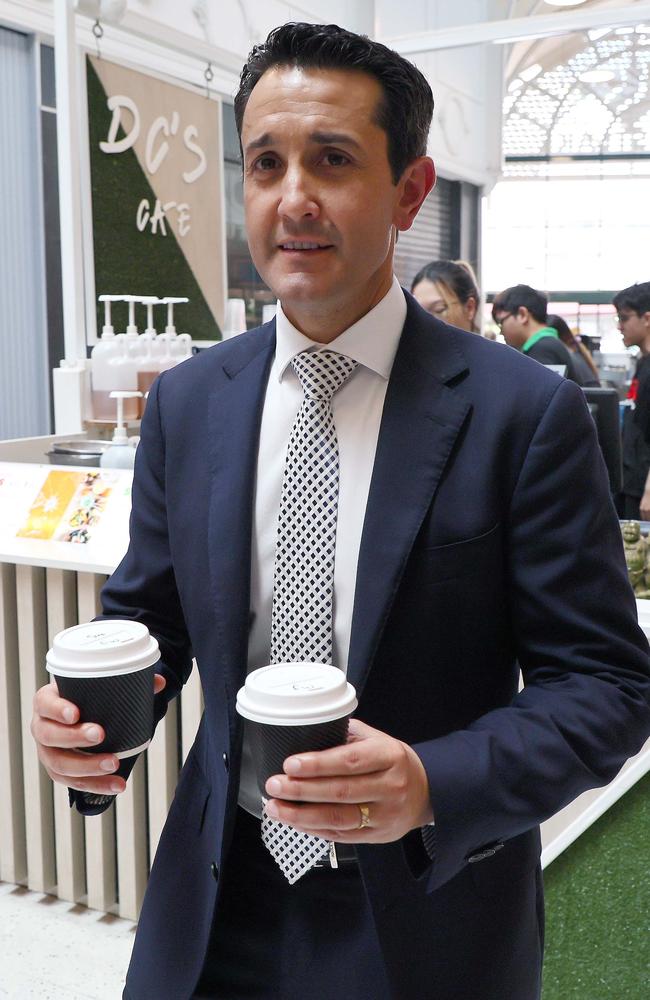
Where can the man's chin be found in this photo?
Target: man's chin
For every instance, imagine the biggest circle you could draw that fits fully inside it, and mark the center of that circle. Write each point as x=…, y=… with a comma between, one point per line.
x=300, y=288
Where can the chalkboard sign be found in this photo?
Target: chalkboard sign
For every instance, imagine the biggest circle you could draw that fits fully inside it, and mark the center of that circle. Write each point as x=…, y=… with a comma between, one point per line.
x=157, y=204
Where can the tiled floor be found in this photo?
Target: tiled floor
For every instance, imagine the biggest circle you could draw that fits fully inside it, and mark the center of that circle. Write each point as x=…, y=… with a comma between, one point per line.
x=51, y=950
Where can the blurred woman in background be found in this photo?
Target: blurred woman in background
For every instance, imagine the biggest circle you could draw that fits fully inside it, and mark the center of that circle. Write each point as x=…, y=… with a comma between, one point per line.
x=583, y=362
x=447, y=289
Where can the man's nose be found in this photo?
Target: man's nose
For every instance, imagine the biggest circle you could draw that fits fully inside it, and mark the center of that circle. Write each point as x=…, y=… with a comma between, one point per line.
x=298, y=200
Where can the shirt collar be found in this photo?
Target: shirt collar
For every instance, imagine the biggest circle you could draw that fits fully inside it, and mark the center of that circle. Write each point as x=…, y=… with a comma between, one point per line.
x=371, y=341
x=546, y=331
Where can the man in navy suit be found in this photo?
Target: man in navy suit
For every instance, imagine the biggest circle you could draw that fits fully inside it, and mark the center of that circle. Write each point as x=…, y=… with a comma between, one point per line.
x=475, y=538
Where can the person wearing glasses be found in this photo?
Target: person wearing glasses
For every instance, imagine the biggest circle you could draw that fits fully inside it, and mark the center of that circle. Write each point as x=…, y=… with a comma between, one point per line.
x=633, y=308
x=448, y=289
x=521, y=312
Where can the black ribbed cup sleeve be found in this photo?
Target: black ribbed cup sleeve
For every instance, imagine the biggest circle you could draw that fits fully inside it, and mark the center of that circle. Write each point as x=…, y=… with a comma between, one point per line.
x=122, y=704
x=271, y=745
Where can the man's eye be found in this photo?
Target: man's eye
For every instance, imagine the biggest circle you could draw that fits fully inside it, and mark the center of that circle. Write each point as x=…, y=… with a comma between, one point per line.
x=266, y=163
x=336, y=159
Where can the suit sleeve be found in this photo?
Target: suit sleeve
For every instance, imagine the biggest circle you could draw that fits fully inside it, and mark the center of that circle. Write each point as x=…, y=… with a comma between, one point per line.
x=585, y=706
x=143, y=587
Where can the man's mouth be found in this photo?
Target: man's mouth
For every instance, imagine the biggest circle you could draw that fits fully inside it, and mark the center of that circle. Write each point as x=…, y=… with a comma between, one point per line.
x=302, y=245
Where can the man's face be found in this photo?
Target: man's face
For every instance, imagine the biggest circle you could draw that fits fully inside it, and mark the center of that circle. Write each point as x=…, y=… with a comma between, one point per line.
x=513, y=327
x=635, y=328
x=318, y=192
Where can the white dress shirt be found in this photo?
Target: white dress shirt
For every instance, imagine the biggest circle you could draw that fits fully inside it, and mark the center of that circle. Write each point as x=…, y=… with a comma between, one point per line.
x=357, y=408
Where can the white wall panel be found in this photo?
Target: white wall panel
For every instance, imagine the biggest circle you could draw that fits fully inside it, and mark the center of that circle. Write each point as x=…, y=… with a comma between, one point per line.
x=465, y=139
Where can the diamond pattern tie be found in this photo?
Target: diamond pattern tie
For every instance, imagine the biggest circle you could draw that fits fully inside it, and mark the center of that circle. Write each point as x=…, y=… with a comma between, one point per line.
x=303, y=581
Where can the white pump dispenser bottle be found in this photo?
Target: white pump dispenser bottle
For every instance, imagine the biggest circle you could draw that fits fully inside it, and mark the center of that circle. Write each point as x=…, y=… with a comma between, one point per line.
x=106, y=350
x=121, y=452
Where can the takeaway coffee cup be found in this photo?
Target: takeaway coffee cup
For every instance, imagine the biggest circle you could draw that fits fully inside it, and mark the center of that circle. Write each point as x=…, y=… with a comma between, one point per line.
x=291, y=708
x=106, y=668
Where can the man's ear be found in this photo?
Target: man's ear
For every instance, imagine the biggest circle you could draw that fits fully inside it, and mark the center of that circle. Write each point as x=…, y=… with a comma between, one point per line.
x=413, y=187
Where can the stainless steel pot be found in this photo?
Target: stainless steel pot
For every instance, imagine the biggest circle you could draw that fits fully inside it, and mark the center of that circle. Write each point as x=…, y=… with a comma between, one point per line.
x=77, y=452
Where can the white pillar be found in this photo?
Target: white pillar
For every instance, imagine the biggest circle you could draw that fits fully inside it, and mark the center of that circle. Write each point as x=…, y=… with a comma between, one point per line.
x=68, y=139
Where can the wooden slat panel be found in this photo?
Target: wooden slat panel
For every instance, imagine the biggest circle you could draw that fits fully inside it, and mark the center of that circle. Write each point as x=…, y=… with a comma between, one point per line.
x=100, y=861
x=68, y=824
x=101, y=875
x=191, y=711
x=89, y=586
x=131, y=828
x=162, y=775
x=32, y=648
x=13, y=852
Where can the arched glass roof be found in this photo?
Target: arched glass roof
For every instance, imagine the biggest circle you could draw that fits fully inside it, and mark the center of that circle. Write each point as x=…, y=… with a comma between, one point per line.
x=581, y=96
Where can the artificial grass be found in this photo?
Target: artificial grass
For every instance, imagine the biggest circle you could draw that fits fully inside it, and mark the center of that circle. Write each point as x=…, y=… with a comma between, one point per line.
x=598, y=908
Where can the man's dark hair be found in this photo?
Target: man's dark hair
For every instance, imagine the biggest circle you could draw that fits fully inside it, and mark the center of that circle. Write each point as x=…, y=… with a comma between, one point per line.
x=635, y=298
x=512, y=299
x=405, y=111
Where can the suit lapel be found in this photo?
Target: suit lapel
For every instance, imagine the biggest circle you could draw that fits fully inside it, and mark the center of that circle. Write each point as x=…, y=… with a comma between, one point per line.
x=423, y=413
x=235, y=414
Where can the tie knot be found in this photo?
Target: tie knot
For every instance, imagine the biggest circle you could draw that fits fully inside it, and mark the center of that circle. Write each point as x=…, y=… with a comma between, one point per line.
x=321, y=373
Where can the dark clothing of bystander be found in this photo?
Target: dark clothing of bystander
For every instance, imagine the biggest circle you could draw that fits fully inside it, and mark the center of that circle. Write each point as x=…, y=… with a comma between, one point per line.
x=636, y=439
x=585, y=375
x=549, y=350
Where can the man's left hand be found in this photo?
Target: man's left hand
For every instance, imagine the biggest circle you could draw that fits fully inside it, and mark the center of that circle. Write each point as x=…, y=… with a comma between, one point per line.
x=326, y=788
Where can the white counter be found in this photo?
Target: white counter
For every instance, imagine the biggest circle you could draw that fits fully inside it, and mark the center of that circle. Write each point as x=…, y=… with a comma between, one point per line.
x=64, y=517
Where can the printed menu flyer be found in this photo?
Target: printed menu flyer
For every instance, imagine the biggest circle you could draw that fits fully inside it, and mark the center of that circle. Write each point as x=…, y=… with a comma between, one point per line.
x=68, y=517
x=68, y=507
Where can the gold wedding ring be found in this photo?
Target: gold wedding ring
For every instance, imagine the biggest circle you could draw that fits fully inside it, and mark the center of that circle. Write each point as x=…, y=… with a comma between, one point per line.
x=364, y=810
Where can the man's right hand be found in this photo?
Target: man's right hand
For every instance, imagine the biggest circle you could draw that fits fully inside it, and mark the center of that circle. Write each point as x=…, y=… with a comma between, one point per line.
x=61, y=741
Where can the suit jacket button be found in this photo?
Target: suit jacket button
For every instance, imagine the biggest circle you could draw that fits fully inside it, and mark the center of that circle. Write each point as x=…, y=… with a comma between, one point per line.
x=226, y=762
x=487, y=852
x=481, y=855
x=214, y=868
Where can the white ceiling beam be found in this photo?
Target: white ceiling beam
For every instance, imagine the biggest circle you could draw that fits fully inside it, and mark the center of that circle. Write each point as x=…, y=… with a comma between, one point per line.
x=133, y=31
x=178, y=41
x=517, y=28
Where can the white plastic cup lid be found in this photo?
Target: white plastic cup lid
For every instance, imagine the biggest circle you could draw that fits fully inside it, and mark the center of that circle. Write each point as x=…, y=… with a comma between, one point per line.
x=296, y=694
x=102, y=648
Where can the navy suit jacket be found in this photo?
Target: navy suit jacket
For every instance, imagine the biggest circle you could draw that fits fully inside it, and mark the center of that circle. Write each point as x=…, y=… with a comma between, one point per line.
x=489, y=544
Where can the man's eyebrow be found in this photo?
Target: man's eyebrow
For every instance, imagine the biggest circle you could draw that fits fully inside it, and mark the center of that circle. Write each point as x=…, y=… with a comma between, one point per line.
x=263, y=140
x=334, y=139
x=321, y=138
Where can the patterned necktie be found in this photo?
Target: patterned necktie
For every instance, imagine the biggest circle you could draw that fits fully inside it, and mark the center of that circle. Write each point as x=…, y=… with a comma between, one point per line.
x=303, y=581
